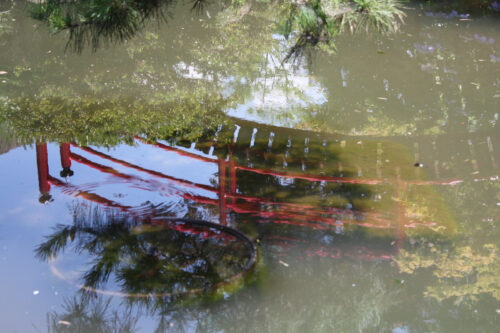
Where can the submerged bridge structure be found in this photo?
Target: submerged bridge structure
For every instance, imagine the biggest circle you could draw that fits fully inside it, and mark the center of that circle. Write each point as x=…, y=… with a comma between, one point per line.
x=303, y=179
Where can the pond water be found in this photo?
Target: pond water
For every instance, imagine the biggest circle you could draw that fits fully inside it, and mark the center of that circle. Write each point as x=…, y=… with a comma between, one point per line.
x=368, y=179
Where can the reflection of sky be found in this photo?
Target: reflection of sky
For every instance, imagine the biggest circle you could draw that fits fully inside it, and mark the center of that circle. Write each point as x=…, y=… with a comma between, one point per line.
x=152, y=158
x=456, y=66
x=29, y=290
x=272, y=99
x=145, y=191
x=190, y=72
x=23, y=222
x=281, y=89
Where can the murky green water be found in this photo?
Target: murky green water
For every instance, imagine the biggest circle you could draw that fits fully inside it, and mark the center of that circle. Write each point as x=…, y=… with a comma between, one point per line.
x=368, y=178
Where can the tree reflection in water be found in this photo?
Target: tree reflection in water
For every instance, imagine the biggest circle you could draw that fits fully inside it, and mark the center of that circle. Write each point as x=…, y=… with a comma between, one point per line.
x=158, y=261
x=306, y=23
x=91, y=315
x=269, y=308
x=96, y=22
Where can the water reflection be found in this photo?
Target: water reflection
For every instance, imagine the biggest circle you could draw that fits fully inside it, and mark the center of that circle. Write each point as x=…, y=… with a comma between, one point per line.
x=284, y=180
x=306, y=24
x=389, y=224
x=272, y=182
x=152, y=259
x=90, y=315
x=310, y=199
x=237, y=68
x=94, y=24
x=371, y=298
x=303, y=194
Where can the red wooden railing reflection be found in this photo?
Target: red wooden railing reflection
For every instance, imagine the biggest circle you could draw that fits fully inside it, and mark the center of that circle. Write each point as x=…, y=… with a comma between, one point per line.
x=228, y=199
x=42, y=163
x=64, y=149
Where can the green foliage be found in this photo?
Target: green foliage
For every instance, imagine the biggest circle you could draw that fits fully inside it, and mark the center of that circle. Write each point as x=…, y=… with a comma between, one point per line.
x=319, y=21
x=7, y=140
x=61, y=117
x=307, y=20
x=312, y=21
x=379, y=15
x=91, y=22
x=461, y=273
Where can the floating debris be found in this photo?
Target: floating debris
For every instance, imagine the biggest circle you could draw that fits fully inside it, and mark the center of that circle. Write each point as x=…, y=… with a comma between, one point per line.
x=283, y=263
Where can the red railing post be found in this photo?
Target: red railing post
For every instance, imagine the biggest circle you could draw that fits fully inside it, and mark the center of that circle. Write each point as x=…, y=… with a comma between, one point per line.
x=42, y=163
x=65, y=152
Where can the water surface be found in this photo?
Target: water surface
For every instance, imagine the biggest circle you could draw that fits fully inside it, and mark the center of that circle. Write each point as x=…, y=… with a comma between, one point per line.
x=368, y=178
